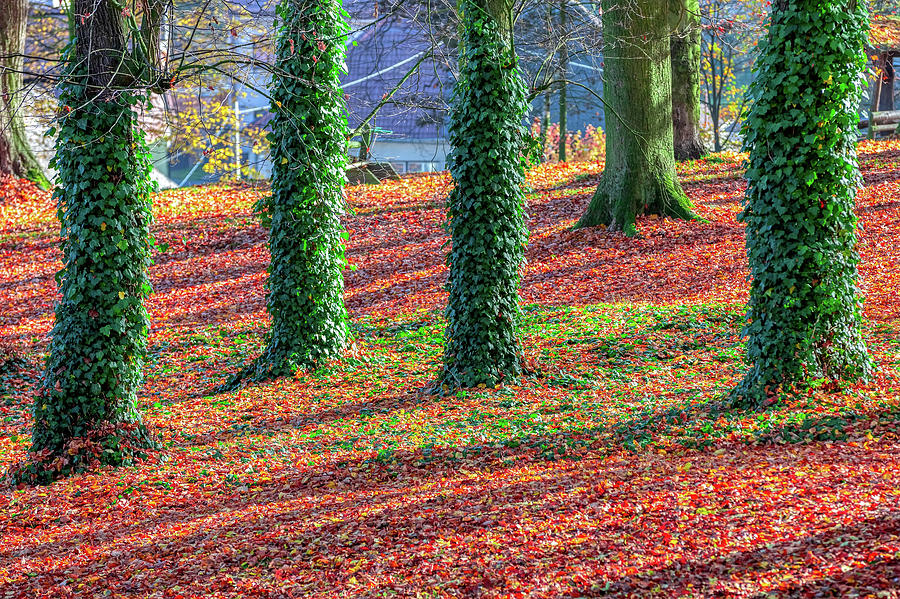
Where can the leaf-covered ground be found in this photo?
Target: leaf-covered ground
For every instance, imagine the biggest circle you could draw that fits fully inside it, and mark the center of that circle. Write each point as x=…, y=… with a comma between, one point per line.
x=608, y=474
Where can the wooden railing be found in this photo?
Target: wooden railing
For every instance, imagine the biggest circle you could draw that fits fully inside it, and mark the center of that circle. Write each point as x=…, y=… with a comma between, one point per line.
x=879, y=122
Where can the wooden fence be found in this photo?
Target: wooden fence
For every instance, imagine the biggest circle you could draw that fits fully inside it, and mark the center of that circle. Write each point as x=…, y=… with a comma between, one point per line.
x=879, y=123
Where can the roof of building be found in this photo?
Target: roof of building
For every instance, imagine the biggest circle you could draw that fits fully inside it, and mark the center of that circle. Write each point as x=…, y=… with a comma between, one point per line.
x=384, y=53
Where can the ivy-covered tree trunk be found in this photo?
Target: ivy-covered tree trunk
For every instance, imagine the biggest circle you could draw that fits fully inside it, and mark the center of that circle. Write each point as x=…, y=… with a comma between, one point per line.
x=309, y=152
x=16, y=157
x=804, y=311
x=639, y=177
x=86, y=409
x=485, y=209
x=685, y=47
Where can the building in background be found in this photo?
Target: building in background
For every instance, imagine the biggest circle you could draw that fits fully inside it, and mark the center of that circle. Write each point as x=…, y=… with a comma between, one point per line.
x=409, y=129
x=401, y=67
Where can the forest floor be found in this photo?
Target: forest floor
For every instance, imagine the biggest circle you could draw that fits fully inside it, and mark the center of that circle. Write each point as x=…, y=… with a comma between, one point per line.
x=608, y=474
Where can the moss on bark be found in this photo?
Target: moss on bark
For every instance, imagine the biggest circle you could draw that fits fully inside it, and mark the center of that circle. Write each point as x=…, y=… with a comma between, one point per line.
x=685, y=49
x=16, y=157
x=639, y=177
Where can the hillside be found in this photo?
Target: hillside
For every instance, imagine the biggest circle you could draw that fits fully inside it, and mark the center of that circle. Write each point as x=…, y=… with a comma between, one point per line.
x=610, y=471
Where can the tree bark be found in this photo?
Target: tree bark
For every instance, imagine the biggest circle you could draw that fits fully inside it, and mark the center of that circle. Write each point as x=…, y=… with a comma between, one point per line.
x=686, y=50
x=886, y=101
x=100, y=35
x=877, y=82
x=639, y=177
x=563, y=74
x=16, y=157
x=545, y=124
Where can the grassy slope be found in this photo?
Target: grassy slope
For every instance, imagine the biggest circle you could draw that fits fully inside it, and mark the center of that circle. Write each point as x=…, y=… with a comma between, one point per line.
x=610, y=473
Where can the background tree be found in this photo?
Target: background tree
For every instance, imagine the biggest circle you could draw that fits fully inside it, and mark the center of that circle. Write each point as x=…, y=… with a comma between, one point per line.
x=686, y=51
x=86, y=409
x=309, y=154
x=564, y=74
x=884, y=7
x=16, y=157
x=640, y=174
x=485, y=209
x=804, y=311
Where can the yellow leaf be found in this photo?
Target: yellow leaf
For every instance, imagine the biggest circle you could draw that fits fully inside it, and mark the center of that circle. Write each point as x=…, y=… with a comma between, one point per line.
x=284, y=161
x=121, y=295
x=102, y=226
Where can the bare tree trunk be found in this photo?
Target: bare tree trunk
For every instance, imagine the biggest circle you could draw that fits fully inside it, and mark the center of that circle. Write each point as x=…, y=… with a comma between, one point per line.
x=100, y=31
x=16, y=157
x=545, y=123
x=639, y=177
x=877, y=82
x=563, y=74
x=686, y=50
x=886, y=102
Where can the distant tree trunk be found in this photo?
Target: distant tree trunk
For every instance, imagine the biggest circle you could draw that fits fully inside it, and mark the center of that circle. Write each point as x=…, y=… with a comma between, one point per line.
x=563, y=74
x=883, y=95
x=545, y=122
x=545, y=119
x=887, y=87
x=639, y=177
x=16, y=157
x=485, y=209
x=875, y=92
x=686, y=49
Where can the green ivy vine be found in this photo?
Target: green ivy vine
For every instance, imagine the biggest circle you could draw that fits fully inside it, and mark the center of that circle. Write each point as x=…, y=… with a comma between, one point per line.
x=309, y=136
x=85, y=412
x=486, y=207
x=803, y=321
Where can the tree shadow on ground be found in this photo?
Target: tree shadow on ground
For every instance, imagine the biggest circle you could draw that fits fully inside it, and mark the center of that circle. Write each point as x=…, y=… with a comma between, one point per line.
x=880, y=178
x=168, y=282
x=582, y=524
x=866, y=157
x=732, y=574
x=645, y=269
x=419, y=207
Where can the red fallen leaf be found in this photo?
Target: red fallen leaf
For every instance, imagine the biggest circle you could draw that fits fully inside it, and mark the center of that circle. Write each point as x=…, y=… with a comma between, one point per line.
x=276, y=491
